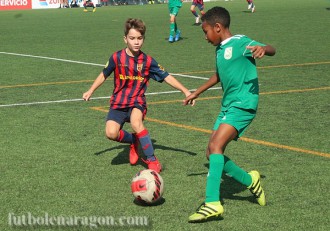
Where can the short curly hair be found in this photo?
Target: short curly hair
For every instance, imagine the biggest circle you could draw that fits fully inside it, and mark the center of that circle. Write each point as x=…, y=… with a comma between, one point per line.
x=215, y=15
x=134, y=23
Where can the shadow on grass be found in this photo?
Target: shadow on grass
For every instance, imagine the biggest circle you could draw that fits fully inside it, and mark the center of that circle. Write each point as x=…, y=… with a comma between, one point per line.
x=230, y=187
x=144, y=204
x=218, y=218
x=247, y=11
x=123, y=152
x=181, y=38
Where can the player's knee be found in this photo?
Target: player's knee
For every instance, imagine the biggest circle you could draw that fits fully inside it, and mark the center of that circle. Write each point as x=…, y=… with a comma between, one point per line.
x=214, y=147
x=137, y=126
x=111, y=135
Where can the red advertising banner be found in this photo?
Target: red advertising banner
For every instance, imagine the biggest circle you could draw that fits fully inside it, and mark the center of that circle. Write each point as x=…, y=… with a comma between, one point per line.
x=15, y=4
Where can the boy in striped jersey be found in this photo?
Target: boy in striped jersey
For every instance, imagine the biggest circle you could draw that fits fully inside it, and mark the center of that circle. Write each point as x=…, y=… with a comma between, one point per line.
x=88, y=3
x=251, y=5
x=132, y=71
x=200, y=5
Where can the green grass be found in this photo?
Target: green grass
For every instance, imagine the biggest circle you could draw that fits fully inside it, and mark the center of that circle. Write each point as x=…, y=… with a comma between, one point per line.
x=55, y=159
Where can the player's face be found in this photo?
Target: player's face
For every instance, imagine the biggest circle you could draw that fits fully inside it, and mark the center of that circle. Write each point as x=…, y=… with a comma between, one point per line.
x=134, y=41
x=211, y=33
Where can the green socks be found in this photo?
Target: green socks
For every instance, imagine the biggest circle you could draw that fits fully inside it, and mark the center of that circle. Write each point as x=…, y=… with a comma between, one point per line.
x=172, y=29
x=214, y=178
x=218, y=164
x=236, y=172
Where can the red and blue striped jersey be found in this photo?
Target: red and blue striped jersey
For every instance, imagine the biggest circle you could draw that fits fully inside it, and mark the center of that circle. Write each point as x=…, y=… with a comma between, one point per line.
x=200, y=2
x=131, y=78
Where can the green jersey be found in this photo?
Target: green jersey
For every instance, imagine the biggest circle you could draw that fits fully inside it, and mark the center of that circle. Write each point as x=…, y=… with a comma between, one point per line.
x=174, y=3
x=237, y=71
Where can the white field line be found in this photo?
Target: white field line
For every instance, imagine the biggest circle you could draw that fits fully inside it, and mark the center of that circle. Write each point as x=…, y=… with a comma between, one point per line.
x=85, y=63
x=50, y=58
x=189, y=76
x=93, y=98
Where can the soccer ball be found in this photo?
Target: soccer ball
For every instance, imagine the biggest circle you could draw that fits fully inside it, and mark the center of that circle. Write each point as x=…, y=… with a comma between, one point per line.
x=147, y=186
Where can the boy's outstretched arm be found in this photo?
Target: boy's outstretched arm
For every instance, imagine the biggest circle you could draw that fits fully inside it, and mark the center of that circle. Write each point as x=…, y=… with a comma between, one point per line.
x=98, y=82
x=259, y=51
x=213, y=80
x=177, y=85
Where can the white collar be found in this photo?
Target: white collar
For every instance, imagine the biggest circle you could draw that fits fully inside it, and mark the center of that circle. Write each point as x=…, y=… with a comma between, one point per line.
x=226, y=41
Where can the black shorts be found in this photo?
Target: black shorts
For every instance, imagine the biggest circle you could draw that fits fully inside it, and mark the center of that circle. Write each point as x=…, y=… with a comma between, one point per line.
x=121, y=116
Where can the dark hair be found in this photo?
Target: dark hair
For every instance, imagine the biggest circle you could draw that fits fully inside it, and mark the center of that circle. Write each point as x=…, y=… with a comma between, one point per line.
x=215, y=15
x=134, y=23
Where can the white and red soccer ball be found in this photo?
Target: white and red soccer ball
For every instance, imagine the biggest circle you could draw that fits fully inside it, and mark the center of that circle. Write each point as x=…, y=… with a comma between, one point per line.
x=147, y=186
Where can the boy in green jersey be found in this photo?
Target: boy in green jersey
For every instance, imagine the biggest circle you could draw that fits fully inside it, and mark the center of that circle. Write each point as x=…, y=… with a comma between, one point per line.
x=236, y=70
x=174, y=7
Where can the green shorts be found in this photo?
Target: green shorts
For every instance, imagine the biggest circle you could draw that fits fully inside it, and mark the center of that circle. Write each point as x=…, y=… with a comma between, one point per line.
x=174, y=10
x=239, y=118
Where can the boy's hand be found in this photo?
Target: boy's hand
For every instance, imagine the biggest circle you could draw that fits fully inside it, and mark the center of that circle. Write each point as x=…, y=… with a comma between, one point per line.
x=257, y=51
x=190, y=99
x=87, y=95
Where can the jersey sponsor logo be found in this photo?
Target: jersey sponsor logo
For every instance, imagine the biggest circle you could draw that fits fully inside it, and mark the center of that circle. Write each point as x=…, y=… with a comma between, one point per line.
x=228, y=53
x=131, y=77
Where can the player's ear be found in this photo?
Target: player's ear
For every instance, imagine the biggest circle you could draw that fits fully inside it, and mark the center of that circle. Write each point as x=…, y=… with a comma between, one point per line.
x=218, y=27
x=125, y=39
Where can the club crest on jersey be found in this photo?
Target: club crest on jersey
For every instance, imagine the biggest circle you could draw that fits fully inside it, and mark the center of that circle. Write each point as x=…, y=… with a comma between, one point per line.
x=139, y=67
x=228, y=53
